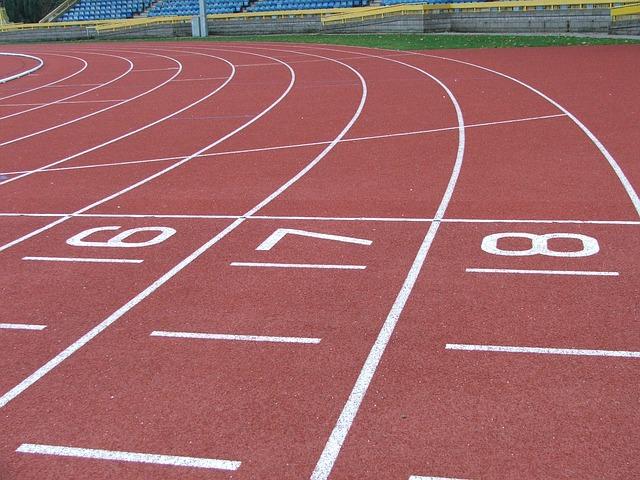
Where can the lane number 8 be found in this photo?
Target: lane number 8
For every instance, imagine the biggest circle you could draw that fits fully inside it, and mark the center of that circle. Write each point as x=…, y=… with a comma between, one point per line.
x=540, y=244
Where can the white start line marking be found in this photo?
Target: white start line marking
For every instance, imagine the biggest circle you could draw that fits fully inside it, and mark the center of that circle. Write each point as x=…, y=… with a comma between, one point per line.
x=21, y=326
x=175, y=461
x=542, y=350
x=298, y=265
x=242, y=338
x=542, y=272
x=82, y=260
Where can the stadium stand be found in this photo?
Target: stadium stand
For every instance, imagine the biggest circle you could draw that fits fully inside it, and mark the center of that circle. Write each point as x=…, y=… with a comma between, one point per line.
x=275, y=5
x=103, y=10
x=190, y=7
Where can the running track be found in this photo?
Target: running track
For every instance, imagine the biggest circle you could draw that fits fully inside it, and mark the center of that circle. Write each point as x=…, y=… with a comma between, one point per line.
x=272, y=261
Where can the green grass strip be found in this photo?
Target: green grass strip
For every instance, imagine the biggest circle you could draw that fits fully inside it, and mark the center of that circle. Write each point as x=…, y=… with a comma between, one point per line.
x=431, y=42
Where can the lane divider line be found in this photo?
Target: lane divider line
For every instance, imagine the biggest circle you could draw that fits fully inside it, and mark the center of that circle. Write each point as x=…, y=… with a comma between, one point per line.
x=322, y=219
x=91, y=453
x=21, y=326
x=74, y=120
x=53, y=83
x=242, y=338
x=542, y=272
x=83, y=260
x=542, y=350
x=338, y=435
x=96, y=330
x=298, y=265
x=626, y=184
x=25, y=72
x=285, y=147
x=418, y=477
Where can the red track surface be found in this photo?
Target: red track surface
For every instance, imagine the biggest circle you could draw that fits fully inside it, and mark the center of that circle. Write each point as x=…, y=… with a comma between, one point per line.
x=338, y=141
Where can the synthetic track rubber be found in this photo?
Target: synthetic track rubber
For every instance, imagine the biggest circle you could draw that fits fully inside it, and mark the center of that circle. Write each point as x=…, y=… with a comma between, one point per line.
x=428, y=411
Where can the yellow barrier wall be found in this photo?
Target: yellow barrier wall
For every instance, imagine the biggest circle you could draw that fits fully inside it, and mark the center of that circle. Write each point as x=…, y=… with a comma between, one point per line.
x=518, y=5
x=625, y=12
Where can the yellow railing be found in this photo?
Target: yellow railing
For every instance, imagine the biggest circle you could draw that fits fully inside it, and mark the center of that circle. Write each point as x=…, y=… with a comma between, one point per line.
x=45, y=26
x=128, y=24
x=625, y=12
x=510, y=5
x=123, y=25
x=59, y=10
x=373, y=12
x=4, y=19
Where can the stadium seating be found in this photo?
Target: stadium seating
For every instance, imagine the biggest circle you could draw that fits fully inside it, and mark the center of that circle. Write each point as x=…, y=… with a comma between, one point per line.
x=191, y=7
x=429, y=2
x=103, y=10
x=271, y=5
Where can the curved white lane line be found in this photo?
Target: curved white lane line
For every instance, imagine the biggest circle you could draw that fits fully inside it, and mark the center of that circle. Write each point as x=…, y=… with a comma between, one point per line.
x=341, y=429
x=24, y=73
x=54, y=127
x=633, y=195
x=101, y=85
x=137, y=130
x=165, y=170
x=95, y=331
x=50, y=83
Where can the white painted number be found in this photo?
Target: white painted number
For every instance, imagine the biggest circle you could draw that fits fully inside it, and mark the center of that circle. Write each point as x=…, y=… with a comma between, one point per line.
x=540, y=244
x=119, y=240
x=280, y=233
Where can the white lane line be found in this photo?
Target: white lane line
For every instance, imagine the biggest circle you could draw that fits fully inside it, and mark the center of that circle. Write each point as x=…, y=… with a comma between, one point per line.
x=201, y=79
x=144, y=180
x=242, y=338
x=82, y=260
x=193, y=462
x=321, y=219
x=542, y=272
x=157, y=70
x=59, y=102
x=332, y=448
x=25, y=72
x=286, y=147
x=542, y=350
x=50, y=84
x=95, y=331
x=419, y=477
x=144, y=127
x=54, y=127
x=68, y=97
x=633, y=195
x=298, y=265
x=21, y=326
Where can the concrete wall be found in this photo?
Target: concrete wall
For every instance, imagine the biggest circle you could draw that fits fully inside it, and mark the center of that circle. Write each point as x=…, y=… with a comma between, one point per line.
x=260, y=26
x=395, y=24
x=45, y=35
x=543, y=21
x=626, y=27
